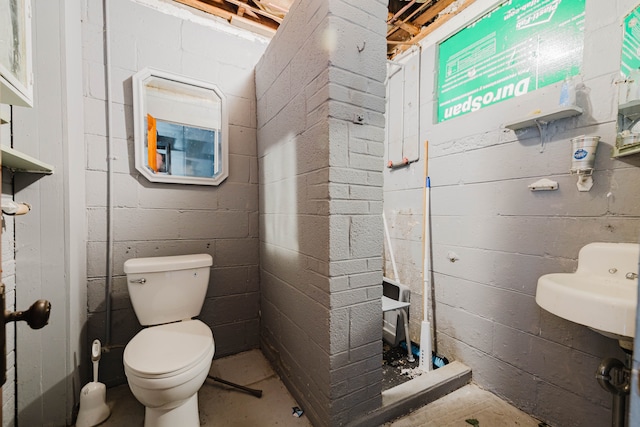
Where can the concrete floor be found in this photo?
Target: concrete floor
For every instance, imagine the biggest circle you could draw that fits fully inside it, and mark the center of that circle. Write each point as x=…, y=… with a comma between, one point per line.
x=221, y=405
x=224, y=406
x=467, y=403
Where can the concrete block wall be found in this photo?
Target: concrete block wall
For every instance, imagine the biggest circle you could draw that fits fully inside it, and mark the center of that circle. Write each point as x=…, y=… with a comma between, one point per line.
x=8, y=279
x=501, y=236
x=320, y=96
x=404, y=186
x=152, y=219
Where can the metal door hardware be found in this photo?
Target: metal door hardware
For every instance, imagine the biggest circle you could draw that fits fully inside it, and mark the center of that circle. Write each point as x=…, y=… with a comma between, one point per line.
x=37, y=317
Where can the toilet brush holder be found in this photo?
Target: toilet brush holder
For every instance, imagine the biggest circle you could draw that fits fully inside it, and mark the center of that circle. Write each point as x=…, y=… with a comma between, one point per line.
x=93, y=396
x=93, y=406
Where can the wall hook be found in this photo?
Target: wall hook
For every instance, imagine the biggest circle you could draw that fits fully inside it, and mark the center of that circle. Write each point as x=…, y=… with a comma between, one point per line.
x=9, y=207
x=360, y=49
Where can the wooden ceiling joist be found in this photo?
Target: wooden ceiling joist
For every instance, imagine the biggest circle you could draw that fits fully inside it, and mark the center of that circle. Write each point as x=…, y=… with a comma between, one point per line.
x=432, y=12
x=440, y=21
x=409, y=23
x=206, y=7
x=409, y=28
x=263, y=26
x=255, y=10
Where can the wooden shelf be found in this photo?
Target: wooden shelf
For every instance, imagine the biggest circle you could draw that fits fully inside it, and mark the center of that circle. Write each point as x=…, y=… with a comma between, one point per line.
x=20, y=162
x=544, y=117
x=5, y=114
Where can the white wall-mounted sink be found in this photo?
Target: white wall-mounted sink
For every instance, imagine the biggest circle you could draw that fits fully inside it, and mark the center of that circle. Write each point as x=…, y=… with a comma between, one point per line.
x=603, y=292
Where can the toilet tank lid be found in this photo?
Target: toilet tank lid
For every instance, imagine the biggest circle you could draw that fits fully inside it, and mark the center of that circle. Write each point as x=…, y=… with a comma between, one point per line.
x=167, y=263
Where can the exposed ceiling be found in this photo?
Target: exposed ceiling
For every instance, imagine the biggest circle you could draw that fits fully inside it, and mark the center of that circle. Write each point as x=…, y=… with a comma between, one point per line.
x=408, y=21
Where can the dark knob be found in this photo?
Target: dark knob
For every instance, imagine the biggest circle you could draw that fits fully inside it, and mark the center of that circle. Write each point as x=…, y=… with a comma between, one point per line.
x=37, y=316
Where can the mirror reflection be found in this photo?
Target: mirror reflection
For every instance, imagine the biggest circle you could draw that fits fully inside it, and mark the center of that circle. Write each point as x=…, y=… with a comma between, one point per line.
x=180, y=129
x=16, y=86
x=628, y=137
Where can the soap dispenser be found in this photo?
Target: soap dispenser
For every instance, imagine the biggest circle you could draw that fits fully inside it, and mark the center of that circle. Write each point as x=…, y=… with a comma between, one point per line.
x=567, y=93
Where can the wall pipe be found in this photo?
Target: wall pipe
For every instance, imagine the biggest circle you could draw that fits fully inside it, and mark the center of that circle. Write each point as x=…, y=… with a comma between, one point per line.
x=615, y=377
x=405, y=160
x=400, y=12
x=110, y=157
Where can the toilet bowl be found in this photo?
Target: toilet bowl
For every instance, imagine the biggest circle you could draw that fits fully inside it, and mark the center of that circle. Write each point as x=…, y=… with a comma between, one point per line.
x=166, y=366
x=167, y=363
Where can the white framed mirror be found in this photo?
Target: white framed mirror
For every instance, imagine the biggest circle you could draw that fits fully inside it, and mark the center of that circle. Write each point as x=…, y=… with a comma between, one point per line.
x=181, y=129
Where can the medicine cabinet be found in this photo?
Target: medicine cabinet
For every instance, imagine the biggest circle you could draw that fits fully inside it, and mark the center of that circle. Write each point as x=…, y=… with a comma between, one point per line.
x=181, y=129
x=16, y=78
x=628, y=125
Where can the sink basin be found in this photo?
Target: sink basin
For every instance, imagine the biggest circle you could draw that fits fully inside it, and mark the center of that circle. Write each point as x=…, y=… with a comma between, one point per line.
x=598, y=295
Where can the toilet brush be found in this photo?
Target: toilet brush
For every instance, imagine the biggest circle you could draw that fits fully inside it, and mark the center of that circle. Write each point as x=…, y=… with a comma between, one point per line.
x=93, y=396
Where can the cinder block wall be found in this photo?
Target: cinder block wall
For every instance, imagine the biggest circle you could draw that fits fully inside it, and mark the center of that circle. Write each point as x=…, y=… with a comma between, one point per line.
x=404, y=186
x=152, y=219
x=506, y=236
x=320, y=92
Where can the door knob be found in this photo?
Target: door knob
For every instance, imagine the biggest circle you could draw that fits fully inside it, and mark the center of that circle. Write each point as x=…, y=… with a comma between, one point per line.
x=37, y=316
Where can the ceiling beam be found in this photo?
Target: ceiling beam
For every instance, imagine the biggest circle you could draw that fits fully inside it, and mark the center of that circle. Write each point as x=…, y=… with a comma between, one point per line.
x=264, y=27
x=425, y=31
x=431, y=12
x=255, y=10
x=411, y=29
x=206, y=7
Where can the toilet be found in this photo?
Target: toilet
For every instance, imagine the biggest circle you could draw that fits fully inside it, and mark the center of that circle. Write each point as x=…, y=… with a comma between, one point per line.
x=167, y=362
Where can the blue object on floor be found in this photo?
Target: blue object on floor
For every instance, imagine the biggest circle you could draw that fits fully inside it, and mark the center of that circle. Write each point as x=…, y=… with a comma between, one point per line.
x=437, y=360
x=414, y=348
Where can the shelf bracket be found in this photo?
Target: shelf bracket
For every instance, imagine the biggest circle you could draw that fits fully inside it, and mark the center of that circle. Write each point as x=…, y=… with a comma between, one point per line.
x=540, y=124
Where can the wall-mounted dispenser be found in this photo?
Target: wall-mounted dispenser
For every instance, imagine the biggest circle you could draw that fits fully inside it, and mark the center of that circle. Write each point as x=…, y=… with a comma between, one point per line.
x=583, y=157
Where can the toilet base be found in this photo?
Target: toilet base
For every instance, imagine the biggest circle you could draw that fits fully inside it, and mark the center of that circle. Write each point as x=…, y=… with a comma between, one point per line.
x=185, y=415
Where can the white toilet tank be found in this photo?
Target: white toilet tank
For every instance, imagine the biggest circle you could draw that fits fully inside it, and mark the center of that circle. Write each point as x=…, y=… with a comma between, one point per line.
x=167, y=289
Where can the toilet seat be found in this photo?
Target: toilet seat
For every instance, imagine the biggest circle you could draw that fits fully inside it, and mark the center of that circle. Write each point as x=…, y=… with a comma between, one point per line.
x=168, y=350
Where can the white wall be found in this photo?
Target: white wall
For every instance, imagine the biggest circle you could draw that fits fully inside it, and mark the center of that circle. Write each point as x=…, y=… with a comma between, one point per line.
x=506, y=236
x=8, y=279
x=50, y=239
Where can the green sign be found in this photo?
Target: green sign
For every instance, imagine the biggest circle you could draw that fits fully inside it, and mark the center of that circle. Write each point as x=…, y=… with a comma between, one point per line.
x=520, y=46
x=631, y=43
